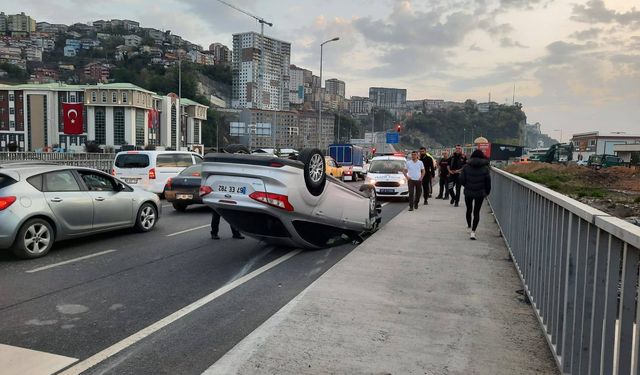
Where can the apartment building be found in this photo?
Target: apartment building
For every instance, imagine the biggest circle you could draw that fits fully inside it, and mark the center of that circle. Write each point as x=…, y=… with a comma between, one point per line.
x=222, y=54
x=132, y=40
x=250, y=90
x=335, y=87
x=299, y=84
x=16, y=24
x=97, y=71
x=113, y=115
x=388, y=98
x=360, y=105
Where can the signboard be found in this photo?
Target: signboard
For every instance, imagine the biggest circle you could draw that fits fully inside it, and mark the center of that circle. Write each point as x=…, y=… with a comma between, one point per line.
x=393, y=138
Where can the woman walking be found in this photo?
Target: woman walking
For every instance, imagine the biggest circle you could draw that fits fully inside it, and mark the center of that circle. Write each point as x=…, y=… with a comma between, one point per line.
x=476, y=180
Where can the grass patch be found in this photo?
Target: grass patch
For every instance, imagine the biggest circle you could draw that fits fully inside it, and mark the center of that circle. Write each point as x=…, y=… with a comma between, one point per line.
x=562, y=183
x=591, y=193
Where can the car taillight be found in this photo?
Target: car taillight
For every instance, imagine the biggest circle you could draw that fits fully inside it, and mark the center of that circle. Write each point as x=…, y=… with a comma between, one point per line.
x=6, y=202
x=113, y=171
x=275, y=164
x=205, y=189
x=275, y=200
x=168, y=184
x=152, y=174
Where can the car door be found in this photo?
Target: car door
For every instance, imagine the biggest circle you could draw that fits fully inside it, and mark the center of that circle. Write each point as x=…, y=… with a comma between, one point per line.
x=71, y=206
x=112, y=206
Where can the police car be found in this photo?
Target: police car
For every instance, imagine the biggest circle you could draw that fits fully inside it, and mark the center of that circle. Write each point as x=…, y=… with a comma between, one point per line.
x=385, y=174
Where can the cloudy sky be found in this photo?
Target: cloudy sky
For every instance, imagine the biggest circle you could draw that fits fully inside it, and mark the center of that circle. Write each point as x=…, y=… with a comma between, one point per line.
x=575, y=64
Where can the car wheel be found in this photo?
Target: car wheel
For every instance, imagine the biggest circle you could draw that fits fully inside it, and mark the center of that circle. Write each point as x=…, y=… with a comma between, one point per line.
x=237, y=149
x=147, y=217
x=34, y=239
x=315, y=175
x=179, y=207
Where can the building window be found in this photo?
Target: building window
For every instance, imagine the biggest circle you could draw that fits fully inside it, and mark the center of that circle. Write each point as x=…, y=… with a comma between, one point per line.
x=1, y=97
x=101, y=126
x=114, y=97
x=12, y=111
x=124, y=98
x=104, y=97
x=11, y=97
x=592, y=142
x=118, y=126
x=72, y=97
x=139, y=126
x=12, y=124
x=94, y=97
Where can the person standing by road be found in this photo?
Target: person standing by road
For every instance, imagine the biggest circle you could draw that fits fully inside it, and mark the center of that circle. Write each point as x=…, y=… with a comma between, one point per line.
x=456, y=163
x=443, y=173
x=476, y=179
x=414, y=173
x=430, y=172
x=215, y=226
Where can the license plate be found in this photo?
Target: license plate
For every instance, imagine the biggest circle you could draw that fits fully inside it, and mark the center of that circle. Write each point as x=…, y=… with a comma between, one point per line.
x=184, y=196
x=387, y=191
x=232, y=189
x=131, y=180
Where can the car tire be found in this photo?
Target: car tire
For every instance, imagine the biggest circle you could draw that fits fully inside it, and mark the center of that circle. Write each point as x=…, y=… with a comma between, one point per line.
x=34, y=240
x=237, y=149
x=146, y=218
x=179, y=207
x=315, y=175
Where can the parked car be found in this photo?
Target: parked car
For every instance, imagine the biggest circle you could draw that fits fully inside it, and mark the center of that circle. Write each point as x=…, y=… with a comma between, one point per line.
x=41, y=204
x=150, y=170
x=385, y=175
x=183, y=189
x=288, y=202
x=332, y=168
x=604, y=161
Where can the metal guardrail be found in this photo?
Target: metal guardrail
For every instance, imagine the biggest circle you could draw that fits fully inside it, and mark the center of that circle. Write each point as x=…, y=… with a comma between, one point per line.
x=103, y=162
x=579, y=268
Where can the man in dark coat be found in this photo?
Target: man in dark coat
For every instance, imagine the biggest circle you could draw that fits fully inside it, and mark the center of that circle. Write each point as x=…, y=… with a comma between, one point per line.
x=430, y=173
x=443, y=173
x=456, y=163
x=476, y=179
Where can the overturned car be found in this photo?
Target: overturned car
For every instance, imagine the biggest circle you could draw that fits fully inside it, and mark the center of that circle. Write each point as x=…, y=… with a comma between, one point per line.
x=288, y=202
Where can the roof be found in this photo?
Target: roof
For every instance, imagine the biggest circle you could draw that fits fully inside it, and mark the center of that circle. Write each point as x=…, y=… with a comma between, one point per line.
x=119, y=86
x=44, y=86
x=188, y=102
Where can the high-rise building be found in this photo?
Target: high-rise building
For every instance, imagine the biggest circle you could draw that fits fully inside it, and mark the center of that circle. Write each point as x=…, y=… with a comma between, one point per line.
x=388, y=98
x=249, y=90
x=221, y=53
x=300, y=84
x=17, y=24
x=335, y=87
x=360, y=105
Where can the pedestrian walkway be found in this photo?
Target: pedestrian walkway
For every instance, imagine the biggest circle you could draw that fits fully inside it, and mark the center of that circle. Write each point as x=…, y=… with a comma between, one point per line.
x=418, y=297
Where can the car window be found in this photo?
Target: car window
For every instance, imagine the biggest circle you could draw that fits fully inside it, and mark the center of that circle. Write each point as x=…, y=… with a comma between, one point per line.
x=165, y=160
x=192, y=171
x=197, y=158
x=6, y=181
x=35, y=181
x=97, y=182
x=386, y=166
x=183, y=160
x=60, y=181
x=132, y=161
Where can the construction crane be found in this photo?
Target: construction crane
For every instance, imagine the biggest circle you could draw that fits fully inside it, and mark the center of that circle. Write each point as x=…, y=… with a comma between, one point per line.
x=262, y=22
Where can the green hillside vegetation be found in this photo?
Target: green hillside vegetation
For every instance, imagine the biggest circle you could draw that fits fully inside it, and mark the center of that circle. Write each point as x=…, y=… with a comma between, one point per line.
x=501, y=124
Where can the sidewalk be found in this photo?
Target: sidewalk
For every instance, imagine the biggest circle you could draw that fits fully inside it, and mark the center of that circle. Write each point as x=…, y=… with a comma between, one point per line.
x=418, y=297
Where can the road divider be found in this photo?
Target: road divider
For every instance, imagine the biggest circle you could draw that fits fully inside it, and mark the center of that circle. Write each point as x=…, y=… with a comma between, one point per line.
x=188, y=230
x=140, y=335
x=70, y=261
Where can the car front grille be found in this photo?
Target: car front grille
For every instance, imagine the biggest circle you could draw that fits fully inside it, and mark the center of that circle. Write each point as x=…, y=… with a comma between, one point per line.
x=387, y=184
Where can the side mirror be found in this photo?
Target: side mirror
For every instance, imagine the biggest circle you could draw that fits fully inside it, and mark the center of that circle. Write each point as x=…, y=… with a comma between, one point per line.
x=120, y=187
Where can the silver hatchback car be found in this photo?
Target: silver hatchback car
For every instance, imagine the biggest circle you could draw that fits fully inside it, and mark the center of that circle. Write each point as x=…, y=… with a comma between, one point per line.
x=41, y=204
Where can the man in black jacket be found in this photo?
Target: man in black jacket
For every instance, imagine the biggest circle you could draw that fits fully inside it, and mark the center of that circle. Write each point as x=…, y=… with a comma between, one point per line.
x=430, y=172
x=443, y=173
x=456, y=163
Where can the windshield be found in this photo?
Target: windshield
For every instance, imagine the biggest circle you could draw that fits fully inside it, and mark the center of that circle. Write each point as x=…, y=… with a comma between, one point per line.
x=132, y=161
x=386, y=166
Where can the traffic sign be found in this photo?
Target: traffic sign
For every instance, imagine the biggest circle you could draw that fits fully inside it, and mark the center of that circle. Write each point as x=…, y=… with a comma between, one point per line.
x=393, y=138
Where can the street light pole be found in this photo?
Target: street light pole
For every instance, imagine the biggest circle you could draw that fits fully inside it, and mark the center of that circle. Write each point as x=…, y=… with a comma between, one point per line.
x=322, y=92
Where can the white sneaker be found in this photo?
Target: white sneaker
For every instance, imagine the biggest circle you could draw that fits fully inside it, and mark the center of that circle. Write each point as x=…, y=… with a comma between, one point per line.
x=473, y=235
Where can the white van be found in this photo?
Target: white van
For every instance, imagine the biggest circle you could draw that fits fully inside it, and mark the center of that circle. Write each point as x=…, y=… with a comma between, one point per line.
x=150, y=170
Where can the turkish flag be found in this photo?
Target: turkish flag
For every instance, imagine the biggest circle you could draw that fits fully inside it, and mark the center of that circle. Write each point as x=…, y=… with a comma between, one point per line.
x=72, y=118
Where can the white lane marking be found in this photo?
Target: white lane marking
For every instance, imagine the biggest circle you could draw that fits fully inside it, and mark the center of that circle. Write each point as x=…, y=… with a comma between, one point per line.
x=188, y=230
x=19, y=361
x=384, y=204
x=131, y=340
x=70, y=261
x=166, y=205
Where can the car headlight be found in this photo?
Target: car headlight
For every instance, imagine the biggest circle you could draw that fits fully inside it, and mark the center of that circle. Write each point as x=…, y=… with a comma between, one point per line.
x=402, y=181
x=370, y=181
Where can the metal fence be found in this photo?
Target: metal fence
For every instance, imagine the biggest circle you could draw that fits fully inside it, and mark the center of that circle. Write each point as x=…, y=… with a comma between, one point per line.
x=103, y=162
x=579, y=268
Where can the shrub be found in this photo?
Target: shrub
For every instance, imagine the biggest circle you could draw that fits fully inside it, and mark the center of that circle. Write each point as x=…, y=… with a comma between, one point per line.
x=92, y=147
x=12, y=147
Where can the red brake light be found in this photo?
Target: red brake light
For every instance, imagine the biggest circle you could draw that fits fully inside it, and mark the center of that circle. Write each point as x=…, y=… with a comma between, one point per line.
x=152, y=174
x=275, y=200
x=6, y=202
x=132, y=152
x=113, y=171
x=195, y=174
x=276, y=164
x=205, y=189
x=168, y=184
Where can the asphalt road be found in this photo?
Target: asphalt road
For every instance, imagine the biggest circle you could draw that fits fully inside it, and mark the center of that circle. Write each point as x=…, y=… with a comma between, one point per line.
x=138, y=283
